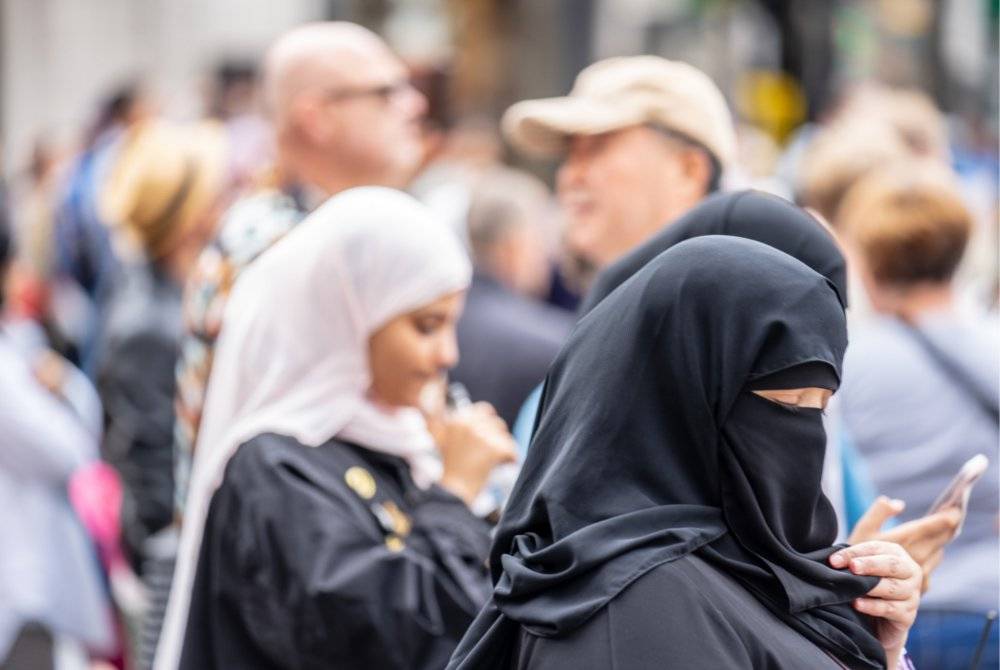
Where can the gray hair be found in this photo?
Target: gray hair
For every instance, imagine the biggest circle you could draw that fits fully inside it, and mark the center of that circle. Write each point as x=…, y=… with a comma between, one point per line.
x=502, y=199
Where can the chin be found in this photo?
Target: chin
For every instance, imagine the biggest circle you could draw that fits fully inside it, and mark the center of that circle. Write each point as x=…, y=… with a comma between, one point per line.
x=411, y=399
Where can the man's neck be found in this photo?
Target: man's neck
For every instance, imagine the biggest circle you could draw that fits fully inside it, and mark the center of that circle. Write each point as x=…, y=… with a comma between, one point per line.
x=917, y=301
x=307, y=196
x=675, y=211
x=317, y=176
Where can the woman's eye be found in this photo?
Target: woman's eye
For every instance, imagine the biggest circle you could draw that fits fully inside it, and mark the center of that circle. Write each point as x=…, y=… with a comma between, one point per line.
x=798, y=409
x=427, y=326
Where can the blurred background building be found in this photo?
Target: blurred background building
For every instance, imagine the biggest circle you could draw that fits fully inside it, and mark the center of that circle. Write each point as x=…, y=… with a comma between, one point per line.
x=781, y=62
x=784, y=66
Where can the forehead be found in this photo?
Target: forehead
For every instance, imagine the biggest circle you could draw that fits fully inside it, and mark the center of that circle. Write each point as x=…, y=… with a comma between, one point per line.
x=372, y=65
x=633, y=140
x=445, y=304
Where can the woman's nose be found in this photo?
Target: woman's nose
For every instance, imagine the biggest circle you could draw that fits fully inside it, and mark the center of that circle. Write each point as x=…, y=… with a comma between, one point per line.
x=448, y=352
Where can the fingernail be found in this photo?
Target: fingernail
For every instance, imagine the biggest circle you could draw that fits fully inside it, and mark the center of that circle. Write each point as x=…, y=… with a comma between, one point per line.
x=897, y=503
x=837, y=560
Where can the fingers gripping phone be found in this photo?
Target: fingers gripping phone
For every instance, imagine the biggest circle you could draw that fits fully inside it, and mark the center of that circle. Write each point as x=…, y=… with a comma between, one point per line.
x=956, y=494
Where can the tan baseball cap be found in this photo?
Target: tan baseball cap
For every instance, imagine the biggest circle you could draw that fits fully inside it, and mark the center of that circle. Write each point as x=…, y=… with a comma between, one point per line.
x=620, y=92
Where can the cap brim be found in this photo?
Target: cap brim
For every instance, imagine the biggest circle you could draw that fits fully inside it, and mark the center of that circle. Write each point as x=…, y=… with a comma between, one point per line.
x=542, y=128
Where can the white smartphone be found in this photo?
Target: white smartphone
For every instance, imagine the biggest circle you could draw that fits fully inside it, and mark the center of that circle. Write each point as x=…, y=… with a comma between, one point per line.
x=956, y=494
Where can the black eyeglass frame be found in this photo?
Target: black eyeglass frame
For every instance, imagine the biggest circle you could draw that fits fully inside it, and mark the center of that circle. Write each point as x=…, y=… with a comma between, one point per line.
x=385, y=92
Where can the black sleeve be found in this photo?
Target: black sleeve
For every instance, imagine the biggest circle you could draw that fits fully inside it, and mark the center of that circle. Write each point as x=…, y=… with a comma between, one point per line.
x=136, y=386
x=461, y=542
x=313, y=583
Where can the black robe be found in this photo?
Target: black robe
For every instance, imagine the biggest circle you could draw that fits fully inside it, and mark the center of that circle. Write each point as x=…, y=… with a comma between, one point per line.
x=331, y=557
x=661, y=495
x=713, y=622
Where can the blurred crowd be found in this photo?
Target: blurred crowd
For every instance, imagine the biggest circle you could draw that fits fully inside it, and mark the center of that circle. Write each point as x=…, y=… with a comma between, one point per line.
x=121, y=253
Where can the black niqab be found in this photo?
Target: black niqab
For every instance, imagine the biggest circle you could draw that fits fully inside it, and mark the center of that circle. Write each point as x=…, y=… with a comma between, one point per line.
x=650, y=446
x=752, y=215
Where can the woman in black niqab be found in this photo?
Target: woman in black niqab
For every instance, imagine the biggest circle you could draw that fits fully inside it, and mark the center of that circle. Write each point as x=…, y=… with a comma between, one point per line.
x=660, y=491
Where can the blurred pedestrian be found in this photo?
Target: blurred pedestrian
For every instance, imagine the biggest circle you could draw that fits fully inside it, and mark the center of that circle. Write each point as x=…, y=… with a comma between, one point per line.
x=507, y=336
x=85, y=264
x=456, y=158
x=910, y=112
x=344, y=114
x=839, y=156
x=234, y=99
x=920, y=394
x=325, y=526
x=164, y=196
x=642, y=140
x=35, y=211
x=53, y=604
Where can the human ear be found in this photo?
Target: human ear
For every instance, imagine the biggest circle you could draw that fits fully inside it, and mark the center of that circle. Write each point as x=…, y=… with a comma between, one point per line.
x=311, y=118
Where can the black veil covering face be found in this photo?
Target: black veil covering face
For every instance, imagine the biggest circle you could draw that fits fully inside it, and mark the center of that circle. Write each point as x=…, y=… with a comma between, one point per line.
x=749, y=214
x=650, y=445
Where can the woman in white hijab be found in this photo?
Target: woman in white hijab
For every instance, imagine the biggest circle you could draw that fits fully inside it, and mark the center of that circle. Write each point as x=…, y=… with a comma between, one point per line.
x=324, y=528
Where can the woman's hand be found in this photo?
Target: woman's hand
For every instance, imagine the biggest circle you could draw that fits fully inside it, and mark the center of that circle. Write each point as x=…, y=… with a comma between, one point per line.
x=895, y=599
x=50, y=370
x=472, y=440
x=924, y=538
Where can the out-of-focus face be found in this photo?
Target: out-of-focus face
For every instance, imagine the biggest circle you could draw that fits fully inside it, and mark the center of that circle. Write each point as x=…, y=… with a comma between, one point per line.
x=619, y=188
x=367, y=118
x=413, y=350
x=382, y=130
x=528, y=264
x=807, y=398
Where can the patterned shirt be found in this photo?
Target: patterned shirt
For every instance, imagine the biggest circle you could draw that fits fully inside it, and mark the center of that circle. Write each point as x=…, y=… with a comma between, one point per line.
x=248, y=229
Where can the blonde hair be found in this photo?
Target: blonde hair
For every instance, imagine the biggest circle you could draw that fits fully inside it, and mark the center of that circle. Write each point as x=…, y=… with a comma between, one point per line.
x=911, y=113
x=163, y=181
x=909, y=223
x=840, y=156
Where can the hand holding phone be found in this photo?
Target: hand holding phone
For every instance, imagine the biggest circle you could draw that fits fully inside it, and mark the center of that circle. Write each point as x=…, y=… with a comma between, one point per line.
x=926, y=537
x=957, y=493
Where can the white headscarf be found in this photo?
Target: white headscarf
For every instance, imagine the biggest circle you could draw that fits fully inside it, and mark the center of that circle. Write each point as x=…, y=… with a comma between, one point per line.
x=293, y=355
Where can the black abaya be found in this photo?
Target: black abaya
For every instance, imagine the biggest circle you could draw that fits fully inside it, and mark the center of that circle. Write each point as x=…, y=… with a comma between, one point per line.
x=711, y=623
x=650, y=449
x=331, y=557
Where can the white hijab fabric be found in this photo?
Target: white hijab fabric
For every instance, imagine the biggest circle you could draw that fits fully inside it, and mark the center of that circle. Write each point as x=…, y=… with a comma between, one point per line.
x=292, y=358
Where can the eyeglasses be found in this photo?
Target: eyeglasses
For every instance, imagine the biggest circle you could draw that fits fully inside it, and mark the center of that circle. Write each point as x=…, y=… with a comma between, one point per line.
x=385, y=92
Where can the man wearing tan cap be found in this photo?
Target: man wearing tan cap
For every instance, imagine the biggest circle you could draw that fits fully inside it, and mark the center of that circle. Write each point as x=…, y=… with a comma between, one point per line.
x=643, y=139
